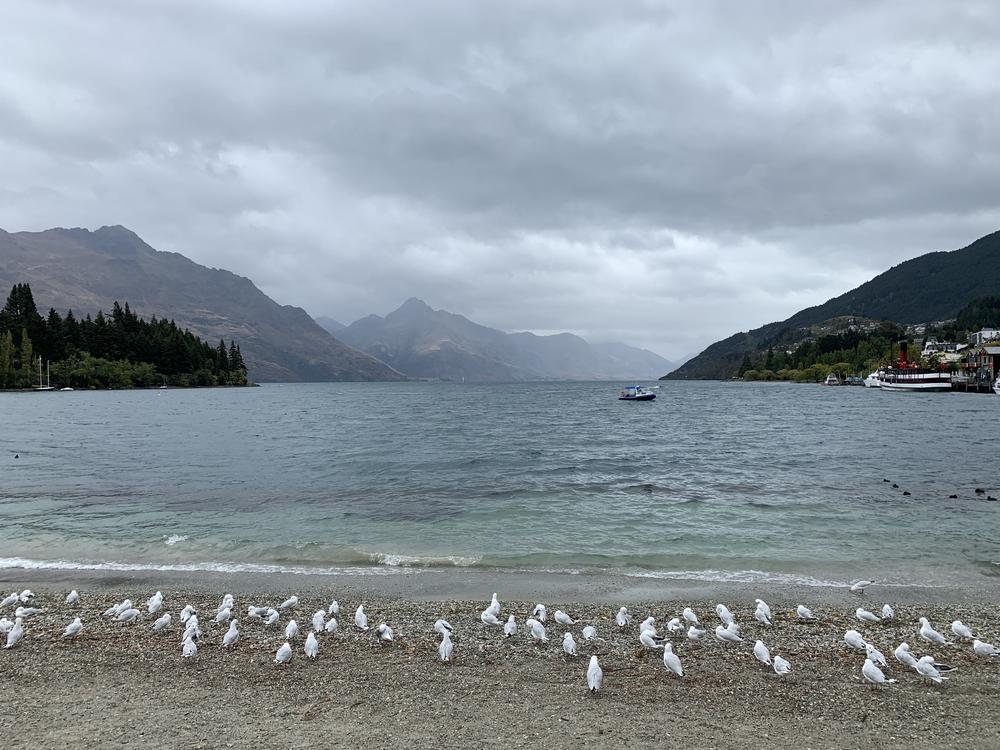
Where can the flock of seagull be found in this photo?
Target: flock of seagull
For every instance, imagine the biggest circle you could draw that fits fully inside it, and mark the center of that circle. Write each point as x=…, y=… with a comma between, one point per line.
x=324, y=622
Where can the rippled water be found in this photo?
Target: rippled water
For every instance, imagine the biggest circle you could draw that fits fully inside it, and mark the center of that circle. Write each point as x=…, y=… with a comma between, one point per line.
x=712, y=480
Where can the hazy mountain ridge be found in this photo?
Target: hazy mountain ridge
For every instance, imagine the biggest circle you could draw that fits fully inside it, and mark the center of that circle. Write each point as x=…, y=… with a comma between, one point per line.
x=426, y=343
x=88, y=271
x=931, y=287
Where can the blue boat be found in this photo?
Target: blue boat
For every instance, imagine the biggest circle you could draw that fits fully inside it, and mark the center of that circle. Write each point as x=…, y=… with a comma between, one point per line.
x=635, y=393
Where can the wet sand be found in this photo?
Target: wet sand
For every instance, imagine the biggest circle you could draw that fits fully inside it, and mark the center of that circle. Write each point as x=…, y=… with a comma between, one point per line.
x=122, y=685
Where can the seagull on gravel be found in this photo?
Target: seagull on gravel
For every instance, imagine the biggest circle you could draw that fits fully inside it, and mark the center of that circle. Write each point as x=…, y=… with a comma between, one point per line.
x=129, y=615
x=875, y=655
x=804, y=613
x=116, y=609
x=690, y=617
x=763, y=612
x=695, y=633
x=189, y=649
x=284, y=654
x=648, y=624
x=724, y=614
x=724, y=634
x=648, y=638
x=162, y=623
x=442, y=626
x=155, y=603
x=494, y=607
x=563, y=619
x=489, y=618
x=15, y=634
x=334, y=608
x=539, y=612
x=72, y=597
x=191, y=628
x=925, y=668
x=384, y=633
x=331, y=626
x=223, y=616
x=903, y=655
x=622, y=619
x=187, y=612
x=761, y=653
x=9, y=601
x=671, y=661
x=929, y=634
x=510, y=627
x=232, y=635
x=228, y=602
x=290, y=603
x=5, y=625
x=319, y=620
x=859, y=587
x=26, y=611
x=536, y=629
x=781, y=666
x=595, y=677
x=272, y=617
x=962, y=630
x=360, y=618
x=887, y=613
x=25, y=596
x=589, y=633
x=291, y=630
x=446, y=648
x=853, y=639
x=674, y=625
x=865, y=616
x=985, y=649
x=311, y=647
x=73, y=629
x=569, y=645
x=256, y=613
x=873, y=674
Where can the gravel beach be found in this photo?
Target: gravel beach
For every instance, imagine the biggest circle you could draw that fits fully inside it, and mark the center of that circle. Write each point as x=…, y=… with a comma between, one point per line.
x=121, y=685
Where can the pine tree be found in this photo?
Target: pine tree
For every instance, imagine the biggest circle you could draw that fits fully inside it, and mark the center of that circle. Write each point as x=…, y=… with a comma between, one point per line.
x=6, y=360
x=221, y=358
x=27, y=357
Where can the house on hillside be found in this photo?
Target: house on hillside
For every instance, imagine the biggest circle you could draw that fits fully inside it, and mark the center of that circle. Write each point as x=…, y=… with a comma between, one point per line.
x=942, y=351
x=981, y=365
x=981, y=337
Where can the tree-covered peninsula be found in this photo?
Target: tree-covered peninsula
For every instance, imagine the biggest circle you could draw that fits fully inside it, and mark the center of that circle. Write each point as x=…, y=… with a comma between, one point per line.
x=120, y=350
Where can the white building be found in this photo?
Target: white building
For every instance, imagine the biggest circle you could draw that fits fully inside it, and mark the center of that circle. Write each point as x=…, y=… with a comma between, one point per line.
x=981, y=337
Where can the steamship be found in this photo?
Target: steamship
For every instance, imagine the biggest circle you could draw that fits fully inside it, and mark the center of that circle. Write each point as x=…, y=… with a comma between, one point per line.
x=907, y=376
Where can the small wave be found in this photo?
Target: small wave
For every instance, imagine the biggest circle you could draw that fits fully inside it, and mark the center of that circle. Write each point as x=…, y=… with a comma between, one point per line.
x=416, y=561
x=202, y=567
x=739, y=576
x=174, y=538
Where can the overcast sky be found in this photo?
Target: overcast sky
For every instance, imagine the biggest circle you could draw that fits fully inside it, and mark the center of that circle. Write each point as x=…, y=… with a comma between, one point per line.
x=660, y=173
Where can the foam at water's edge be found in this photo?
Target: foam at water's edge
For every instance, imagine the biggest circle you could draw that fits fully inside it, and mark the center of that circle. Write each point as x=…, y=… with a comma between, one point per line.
x=208, y=567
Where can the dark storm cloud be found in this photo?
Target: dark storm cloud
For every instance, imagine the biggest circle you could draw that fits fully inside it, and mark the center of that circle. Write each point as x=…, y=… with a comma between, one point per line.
x=662, y=173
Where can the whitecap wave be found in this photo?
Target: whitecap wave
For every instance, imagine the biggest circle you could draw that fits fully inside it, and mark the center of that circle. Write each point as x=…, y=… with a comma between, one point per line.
x=174, y=538
x=199, y=567
x=417, y=561
x=739, y=576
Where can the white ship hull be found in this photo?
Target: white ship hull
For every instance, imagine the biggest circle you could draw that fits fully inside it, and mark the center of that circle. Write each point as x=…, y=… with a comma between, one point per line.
x=914, y=380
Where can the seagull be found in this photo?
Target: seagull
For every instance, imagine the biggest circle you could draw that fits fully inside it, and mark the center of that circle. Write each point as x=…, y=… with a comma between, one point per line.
x=191, y=628
x=5, y=625
x=319, y=620
x=334, y=608
x=859, y=586
x=290, y=603
x=539, y=612
x=589, y=633
x=331, y=626
x=384, y=633
x=446, y=648
x=781, y=666
x=648, y=624
x=256, y=613
x=694, y=633
x=734, y=628
x=873, y=674
x=119, y=608
x=26, y=611
x=595, y=677
x=489, y=618
x=763, y=655
x=284, y=654
x=162, y=623
x=312, y=646
x=903, y=655
x=129, y=615
x=724, y=634
x=671, y=661
x=73, y=629
x=763, y=612
x=494, y=607
x=72, y=597
x=622, y=618
x=724, y=614
x=291, y=630
x=985, y=649
x=443, y=626
x=360, y=618
x=925, y=668
x=865, y=616
x=187, y=612
x=569, y=645
x=674, y=625
x=853, y=639
x=804, y=613
x=930, y=634
x=536, y=629
x=223, y=616
x=690, y=617
x=16, y=633
x=155, y=603
x=232, y=635
x=563, y=619
x=887, y=613
x=510, y=627
x=875, y=655
x=272, y=616
x=961, y=630
x=10, y=600
x=649, y=639
x=227, y=602
x=25, y=595
x=189, y=648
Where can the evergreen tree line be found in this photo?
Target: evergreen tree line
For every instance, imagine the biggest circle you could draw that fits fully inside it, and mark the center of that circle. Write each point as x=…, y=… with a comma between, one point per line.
x=120, y=350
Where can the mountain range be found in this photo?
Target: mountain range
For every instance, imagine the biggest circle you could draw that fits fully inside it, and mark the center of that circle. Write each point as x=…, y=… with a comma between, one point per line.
x=88, y=271
x=427, y=343
x=929, y=288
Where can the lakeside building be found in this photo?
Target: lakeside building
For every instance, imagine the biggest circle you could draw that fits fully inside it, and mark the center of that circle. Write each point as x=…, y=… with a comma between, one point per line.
x=984, y=336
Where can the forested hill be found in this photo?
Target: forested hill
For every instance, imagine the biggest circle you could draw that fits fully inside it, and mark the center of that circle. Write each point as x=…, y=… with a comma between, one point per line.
x=932, y=287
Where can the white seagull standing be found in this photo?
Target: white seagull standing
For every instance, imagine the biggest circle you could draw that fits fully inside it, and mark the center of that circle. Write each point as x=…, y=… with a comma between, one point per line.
x=331, y=626
x=690, y=617
x=446, y=648
x=858, y=587
x=290, y=603
x=539, y=612
x=15, y=634
x=129, y=615
x=865, y=616
x=442, y=626
x=648, y=639
x=763, y=612
x=284, y=654
x=925, y=668
x=272, y=617
x=9, y=601
x=189, y=648
x=311, y=647
x=887, y=613
x=648, y=624
x=563, y=619
x=360, y=618
x=873, y=674
x=724, y=614
x=569, y=645
x=72, y=597
x=761, y=653
x=162, y=623
x=536, y=629
x=695, y=633
x=589, y=633
x=489, y=618
x=804, y=613
x=187, y=612
x=724, y=634
x=595, y=676
x=155, y=603
x=671, y=661
x=781, y=666
x=73, y=629
x=622, y=619
x=960, y=629
x=319, y=621
x=929, y=634
x=494, y=607
x=903, y=655
x=985, y=649
x=854, y=639
x=875, y=655
x=510, y=627
x=291, y=630
x=5, y=625
x=334, y=608
x=384, y=633
x=223, y=616
x=232, y=635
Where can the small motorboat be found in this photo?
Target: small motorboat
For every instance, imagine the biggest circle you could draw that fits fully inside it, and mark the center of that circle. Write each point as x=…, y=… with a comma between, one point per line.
x=832, y=379
x=635, y=393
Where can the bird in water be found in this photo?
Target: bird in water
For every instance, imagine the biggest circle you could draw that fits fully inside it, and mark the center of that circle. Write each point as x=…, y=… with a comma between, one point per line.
x=858, y=587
